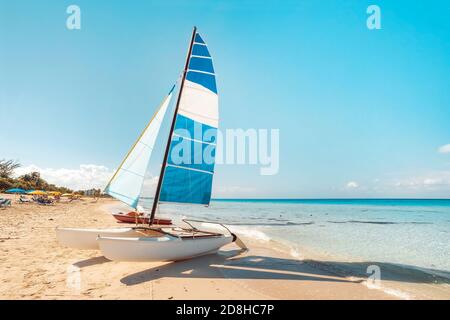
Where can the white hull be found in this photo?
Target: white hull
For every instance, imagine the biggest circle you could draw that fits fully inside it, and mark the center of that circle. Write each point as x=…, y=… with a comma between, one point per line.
x=162, y=248
x=78, y=238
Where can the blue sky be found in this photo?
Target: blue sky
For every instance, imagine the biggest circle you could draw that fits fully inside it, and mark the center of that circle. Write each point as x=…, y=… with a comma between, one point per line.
x=361, y=113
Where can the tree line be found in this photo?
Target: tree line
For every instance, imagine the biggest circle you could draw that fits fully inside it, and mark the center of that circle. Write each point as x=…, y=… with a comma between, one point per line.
x=29, y=181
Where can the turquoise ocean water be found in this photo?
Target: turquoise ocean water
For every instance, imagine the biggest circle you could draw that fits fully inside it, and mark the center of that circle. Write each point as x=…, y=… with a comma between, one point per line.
x=412, y=233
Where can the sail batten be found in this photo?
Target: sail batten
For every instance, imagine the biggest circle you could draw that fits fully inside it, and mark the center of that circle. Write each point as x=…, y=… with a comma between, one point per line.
x=189, y=167
x=126, y=183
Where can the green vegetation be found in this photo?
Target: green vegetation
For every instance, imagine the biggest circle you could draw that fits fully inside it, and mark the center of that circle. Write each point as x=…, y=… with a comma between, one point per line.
x=29, y=181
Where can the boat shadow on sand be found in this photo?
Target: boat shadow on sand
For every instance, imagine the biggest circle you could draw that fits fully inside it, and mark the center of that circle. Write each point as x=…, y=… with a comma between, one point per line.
x=91, y=262
x=234, y=265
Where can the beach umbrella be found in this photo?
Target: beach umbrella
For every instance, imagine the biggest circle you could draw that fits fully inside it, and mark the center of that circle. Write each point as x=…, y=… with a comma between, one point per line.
x=15, y=190
x=38, y=192
x=66, y=195
x=54, y=193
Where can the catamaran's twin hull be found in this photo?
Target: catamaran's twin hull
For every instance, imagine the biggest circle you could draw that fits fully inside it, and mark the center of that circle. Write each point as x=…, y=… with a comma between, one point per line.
x=164, y=248
x=86, y=239
x=128, y=244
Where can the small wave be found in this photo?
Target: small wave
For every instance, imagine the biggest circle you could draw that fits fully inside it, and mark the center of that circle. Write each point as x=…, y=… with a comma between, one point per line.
x=251, y=233
x=270, y=224
x=240, y=230
x=277, y=219
x=397, y=293
x=390, y=291
x=295, y=253
x=379, y=222
x=413, y=222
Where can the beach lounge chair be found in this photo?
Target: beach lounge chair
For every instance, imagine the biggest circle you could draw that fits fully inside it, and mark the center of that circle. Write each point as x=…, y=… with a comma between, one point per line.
x=24, y=200
x=4, y=203
x=44, y=201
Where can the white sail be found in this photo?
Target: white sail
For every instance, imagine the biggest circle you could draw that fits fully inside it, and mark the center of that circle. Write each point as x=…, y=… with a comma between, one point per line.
x=126, y=183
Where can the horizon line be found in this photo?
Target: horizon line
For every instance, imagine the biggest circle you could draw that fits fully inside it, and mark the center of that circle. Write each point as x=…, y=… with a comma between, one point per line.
x=307, y=199
x=330, y=199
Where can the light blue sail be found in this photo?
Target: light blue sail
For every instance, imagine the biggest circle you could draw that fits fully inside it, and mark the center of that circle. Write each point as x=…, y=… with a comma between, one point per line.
x=190, y=166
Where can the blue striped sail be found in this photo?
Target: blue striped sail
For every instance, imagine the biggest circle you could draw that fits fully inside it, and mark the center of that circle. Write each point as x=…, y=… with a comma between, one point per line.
x=126, y=184
x=190, y=166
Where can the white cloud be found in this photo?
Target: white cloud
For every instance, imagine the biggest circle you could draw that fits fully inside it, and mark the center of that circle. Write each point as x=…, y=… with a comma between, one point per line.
x=433, y=180
x=231, y=191
x=150, y=181
x=444, y=149
x=85, y=177
x=352, y=185
x=149, y=185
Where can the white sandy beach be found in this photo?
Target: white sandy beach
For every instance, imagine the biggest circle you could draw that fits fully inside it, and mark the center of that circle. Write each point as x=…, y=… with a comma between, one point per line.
x=34, y=266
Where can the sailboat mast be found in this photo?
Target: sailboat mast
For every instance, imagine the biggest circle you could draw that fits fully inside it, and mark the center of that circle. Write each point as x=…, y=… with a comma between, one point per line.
x=166, y=154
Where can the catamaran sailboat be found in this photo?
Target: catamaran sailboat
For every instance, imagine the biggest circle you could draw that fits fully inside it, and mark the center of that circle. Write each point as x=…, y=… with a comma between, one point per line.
x=179, y=182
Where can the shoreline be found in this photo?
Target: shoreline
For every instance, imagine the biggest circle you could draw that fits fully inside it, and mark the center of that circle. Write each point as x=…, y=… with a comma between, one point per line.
x=397, y=280
x=34, y=266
